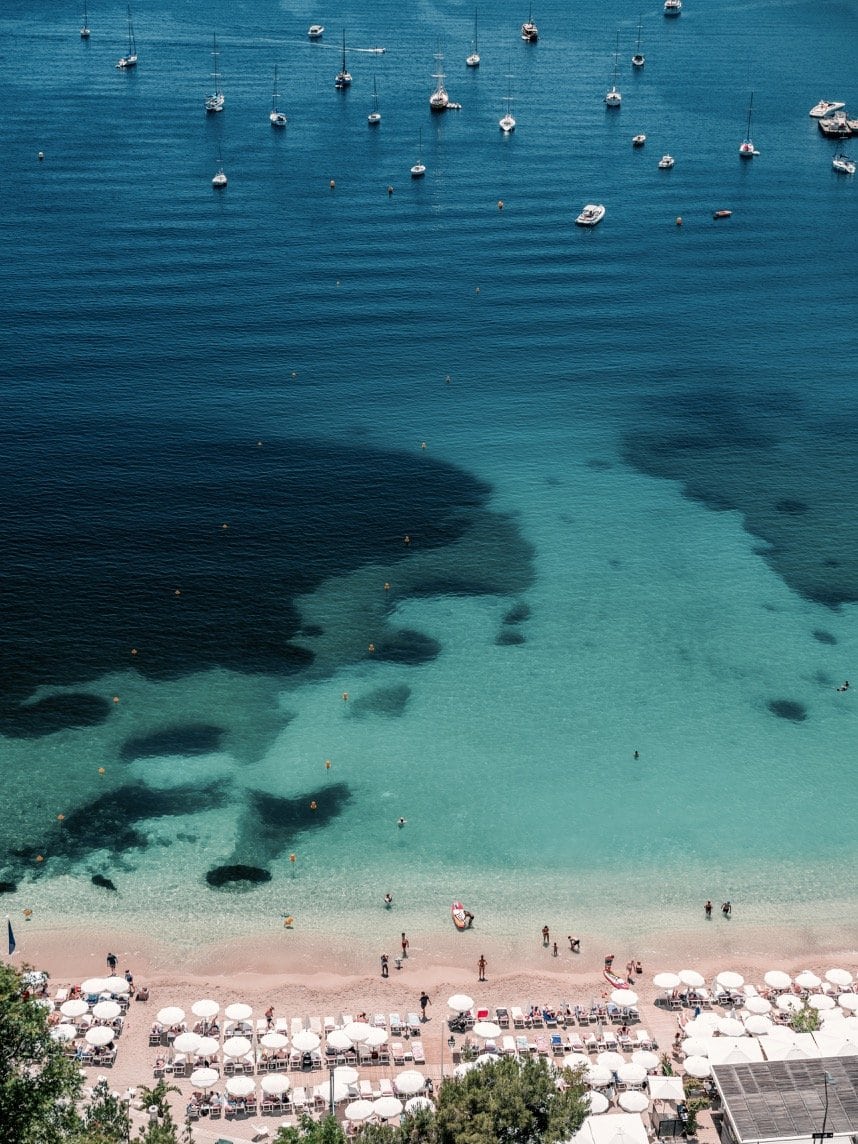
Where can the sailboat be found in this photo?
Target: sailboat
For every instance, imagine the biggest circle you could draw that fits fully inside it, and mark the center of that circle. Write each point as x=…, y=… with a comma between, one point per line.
x=215, y=101
x=276, y=118
x=344, y=76
x=374, y=117
x=473, y=60
x=439, y=99
x=129, y=60
x=529, y=30
x=613, y=98
x=419, y=168
x=219, y=181
x=84, y=28
x=638, y=59
x=746, y=147
x=507, y=122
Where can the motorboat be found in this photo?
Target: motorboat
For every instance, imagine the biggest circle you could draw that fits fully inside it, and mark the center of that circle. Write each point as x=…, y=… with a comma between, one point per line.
x=673, y=7
x=343, y=77
x=220, y=179
x=843, y=164
x=439, y=99
x=591, y=215
x=825, y=107
x=638, y=59
x=316, y=31
x=529, y=30
x=276, y=118
x=666, y=162
x=215, y=101
x=473, y=60
x=638, y=140
x=721, y=214
x=374, y=117
x=129, y=60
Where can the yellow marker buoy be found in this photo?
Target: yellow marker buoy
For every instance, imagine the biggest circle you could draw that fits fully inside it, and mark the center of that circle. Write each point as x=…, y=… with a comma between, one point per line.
x=101, y=770
x=345, y=697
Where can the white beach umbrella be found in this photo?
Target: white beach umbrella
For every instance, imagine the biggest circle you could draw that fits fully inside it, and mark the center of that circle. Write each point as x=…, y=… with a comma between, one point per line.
x=759, y=1025
x=645, y=1058
x=835, y=1016
x=848, y=1001
x=758, y=1005
x=697, y=1066
x=695, y=1047
x=464, y=1068
x=730, y=1027
x=116, y=985
x=789, y=1003
x=208, y=1047
x=338, y=1040
x=487, y=1030
x=486, y=1058
x=840, y=977
x=460, y=1002
x=416, y=1103
x=187, y=1042
x=346, y=1074
x=356, y=1031
x=342, y=1091
x=597, y=1076
x=624, y=997
x=205, y=1008
x=610, y=1060
x=630, y=1073
x=851, y=1025
x=359, y=1110
x=237, y=1046
x=170, y=1015
x=666, y=980
x=821, y=1001
x=702, y=1026
x=375, y=1038
x=106, y=1010
x=74, y=1008
x=240, y=1085
x=387, y=1106
x=409, y=1082
x=92, y=985
x=777, y=979
x=576, y=1061
x=807, y=980
x=691, y=978
x=598, y=1103
x=63, y=1032
x=727, y=979
x=634, y=1101
x=204, y=1078
x=274, y=1040
x=99, y=1035
x=238, y=1011
x=305, y=1041
x=275, y=1084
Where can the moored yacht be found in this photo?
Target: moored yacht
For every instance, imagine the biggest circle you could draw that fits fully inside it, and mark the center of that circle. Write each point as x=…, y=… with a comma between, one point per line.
x=219, y=179
x=215, y=101
x=473, y=60
x=672, y=7
x=343, y=77
x=825, y=107
x=638, y=59
x=843, y=164
x=374, y=117
x=129, y=60
x=591, y=215
x=529, y=30
x=276, y=118
x=613, y=98
x=84, y=28
x=439, y=99
x=666, y=162
x=316, y=31
x=419, y=168
x=638, y=140
x=746, y=147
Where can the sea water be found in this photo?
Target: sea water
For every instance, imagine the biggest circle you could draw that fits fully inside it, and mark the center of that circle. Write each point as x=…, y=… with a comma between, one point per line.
x=336, y=498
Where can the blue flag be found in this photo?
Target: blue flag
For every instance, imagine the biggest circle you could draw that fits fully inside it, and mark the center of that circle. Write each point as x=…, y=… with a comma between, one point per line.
x=11, y=937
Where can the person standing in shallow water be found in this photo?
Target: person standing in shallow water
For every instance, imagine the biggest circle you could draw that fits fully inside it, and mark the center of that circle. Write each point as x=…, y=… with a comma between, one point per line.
x=726, y=909
x=707, y=909
x=546, y=935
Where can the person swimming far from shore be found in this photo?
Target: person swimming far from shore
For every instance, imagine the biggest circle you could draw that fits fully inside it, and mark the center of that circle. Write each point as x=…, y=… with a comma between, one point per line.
x=401, y=822
x=844, y=686
x=388, y=900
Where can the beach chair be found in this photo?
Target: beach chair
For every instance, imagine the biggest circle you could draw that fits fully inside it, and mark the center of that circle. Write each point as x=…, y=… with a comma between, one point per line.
x=643, y=1039
x=62, y=994
x=614, y=1012
x=346, y=1018
x=418, y=1052
x=535, y=1017
x=269, y=1106
x=158, y=1069
x=215, y=1111
x=542, y=1046
x=296, y=1026
x=315, y=1026
x=414, y=1025
x=260, y=1131
x=625, y=1042
x=364, y=1055
x=557, y=1045
x=397, y=1052
x=508, y=1046
x=154, y=1038
x=281, y=1025
x=610, y=1041
x=575, y=1042
x=502, y=1017
x=517, y=1014
x=385, y=1086
x=330, y=1024
x=591, y=1042
x=395, y=1025
x=482, y=1013
x=299, y=1099
x=379, y=1021
x=366, y=1090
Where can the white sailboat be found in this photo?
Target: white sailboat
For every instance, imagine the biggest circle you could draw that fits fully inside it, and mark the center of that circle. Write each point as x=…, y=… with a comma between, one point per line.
x=419, y=168
x=473, y=60
x=84, y=28
x=215, y=101
x=638, y=59
x=746, y=147
x=129, y=60
x=439, y=99
x=613, y=98
x=374, y=117
x=507, y=122
x=344, y=76
x=276, y=118
x=219, y=181
x=529, y=30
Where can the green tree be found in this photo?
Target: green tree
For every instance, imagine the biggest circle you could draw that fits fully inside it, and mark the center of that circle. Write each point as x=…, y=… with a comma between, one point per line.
x=163, y=1130
x=105, y=1119
x=39, y=1085
x=310, y=1131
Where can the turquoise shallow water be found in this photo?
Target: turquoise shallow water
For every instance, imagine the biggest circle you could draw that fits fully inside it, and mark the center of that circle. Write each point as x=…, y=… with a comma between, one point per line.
x=631, y=526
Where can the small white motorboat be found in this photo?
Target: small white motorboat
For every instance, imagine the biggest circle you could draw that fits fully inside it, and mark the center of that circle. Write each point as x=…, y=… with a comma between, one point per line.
x=591, y=215
x=666, y=162
x=673, y=7
x=316, y=31
x=825, y=107
x=843, y=164
x=638, y=140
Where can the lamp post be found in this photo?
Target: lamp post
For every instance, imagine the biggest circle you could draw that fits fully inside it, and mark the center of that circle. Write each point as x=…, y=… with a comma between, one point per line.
x=827, y=1079
x=331, y=1102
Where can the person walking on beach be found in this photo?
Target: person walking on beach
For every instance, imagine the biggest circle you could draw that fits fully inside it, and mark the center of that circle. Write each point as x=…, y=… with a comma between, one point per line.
x=111, y=963
x=707, y=909
x=385, y=968
x=405, y=944
x=481, y=966
x=726, y=909
x=546, y=936
x=424, y=1001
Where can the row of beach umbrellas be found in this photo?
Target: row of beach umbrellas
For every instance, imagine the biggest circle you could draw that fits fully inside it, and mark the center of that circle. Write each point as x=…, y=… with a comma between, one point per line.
x=774, y=978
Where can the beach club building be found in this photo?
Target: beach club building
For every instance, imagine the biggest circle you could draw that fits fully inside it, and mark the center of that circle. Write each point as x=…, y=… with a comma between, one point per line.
x=792, y=1101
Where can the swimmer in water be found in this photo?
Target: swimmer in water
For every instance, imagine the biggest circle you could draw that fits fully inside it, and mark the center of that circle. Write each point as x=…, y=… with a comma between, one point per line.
x=401, y=822
x=388, y=900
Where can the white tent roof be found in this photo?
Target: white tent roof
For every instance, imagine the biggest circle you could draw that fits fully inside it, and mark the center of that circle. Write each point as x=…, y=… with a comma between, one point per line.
x=618, y=1128
x=665, y=1088
x=734, y=1050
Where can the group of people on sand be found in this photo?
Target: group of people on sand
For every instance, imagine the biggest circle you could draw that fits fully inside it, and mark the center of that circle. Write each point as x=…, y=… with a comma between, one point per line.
x=574, y=942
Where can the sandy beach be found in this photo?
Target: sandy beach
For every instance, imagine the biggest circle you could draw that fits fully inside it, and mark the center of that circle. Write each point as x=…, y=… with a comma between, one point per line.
x=300, y=976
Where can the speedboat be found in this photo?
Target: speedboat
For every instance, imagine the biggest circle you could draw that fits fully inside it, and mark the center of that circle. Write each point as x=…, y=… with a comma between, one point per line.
x=672, y=7
x=316, y=31
x=666, y=162
x=591, y=215
x=843, y=164
x=638, y=140
x=219, y=180
x=825, y=107
x=721, y=214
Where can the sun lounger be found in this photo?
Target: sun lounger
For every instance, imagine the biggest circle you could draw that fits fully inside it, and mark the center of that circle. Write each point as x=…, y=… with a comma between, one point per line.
x=482, y=1013
x=299, y=1099
x=644, y=1040
x=385, y=1086
x=508, y=1046
x=542, y=1046
x=517, y=1015
x=315, y=1026
x=296, y=1026
x=366, y=1089
x=380, y=1021
x=591, y=1042
x=575, y=1042
x=414, y=1025
x=557, y=1045
x=330, y=1024
x=502, y=1017
x=397, y=1052
x=418, y=1052
x=395, y=1025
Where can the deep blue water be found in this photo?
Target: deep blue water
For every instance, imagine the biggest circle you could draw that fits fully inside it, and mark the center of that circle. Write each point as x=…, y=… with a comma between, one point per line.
x=271, y=357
